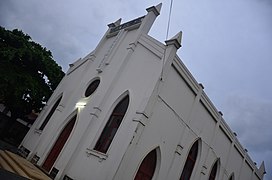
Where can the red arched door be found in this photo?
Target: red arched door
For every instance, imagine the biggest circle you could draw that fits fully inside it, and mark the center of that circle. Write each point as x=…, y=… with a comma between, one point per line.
x=55, y=151
x=147, y=167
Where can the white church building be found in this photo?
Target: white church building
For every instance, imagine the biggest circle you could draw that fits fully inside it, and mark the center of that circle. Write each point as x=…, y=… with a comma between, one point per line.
x=131, y=110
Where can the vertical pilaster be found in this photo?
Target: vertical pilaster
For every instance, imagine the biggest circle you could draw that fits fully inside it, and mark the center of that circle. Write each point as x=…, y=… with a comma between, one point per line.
x=172, y=45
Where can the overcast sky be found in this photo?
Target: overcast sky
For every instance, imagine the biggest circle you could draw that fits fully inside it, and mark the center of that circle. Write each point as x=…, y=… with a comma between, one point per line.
x=227, y=46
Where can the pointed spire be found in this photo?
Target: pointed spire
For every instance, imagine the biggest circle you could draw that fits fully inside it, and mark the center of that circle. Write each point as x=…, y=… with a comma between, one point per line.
x=158, y=7
x=176, y=40
x=116, y=23
x=155, y=9
x=262, y=168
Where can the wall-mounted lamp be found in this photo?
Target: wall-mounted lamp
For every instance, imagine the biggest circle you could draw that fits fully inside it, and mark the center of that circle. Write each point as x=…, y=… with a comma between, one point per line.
x=81, y=104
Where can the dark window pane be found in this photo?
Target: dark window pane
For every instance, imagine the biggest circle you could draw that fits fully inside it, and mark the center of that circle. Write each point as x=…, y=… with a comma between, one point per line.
x=231, y=178
x=190, y=162
x=147, y=167
x=112, y=126
x=92, y=87
x=213, y=172
x=50, y=114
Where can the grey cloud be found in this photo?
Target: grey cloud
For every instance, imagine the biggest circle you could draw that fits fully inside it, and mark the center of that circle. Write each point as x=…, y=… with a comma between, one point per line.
x=226, y=46
x=251, y=119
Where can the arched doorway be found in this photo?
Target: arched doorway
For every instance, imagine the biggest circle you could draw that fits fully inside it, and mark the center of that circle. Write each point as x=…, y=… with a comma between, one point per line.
x=147, y=167
x=55, y=151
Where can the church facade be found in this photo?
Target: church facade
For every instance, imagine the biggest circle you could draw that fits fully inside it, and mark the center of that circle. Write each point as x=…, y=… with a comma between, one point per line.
x=131, y=110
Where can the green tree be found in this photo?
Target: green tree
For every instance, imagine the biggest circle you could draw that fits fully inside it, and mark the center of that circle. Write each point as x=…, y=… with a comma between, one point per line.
x=28, y=73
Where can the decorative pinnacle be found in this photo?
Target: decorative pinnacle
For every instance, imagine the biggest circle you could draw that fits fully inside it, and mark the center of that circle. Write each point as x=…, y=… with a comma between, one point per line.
x=176, y=40
x=116, y=23
x=262, y=168
x=155, y=9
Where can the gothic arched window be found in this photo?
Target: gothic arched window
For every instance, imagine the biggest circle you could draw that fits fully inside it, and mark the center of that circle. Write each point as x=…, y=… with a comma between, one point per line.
x=190, y=162
x=50, y=114
x=92, y=87
x=213, y=172
x=112, y=126
x=231, y=177
x=147, y=167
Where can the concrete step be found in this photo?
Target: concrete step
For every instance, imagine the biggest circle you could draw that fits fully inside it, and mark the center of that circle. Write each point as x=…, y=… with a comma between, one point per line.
x=11, y=164
x=31, y=170
x=22, y=167
x=5, y=165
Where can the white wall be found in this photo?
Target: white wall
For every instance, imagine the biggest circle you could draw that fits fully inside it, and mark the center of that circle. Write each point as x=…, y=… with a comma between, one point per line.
x=169, y=114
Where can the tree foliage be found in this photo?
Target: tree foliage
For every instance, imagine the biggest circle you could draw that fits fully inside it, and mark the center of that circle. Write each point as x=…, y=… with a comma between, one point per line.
x=28, y=73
